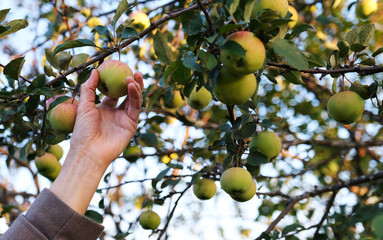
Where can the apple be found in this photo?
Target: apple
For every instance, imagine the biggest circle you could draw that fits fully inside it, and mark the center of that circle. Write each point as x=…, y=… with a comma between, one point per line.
x=130, y=153
x=94, y=22
x=177, y=100
x=276, y=5
x=199, y=99
x=56, y=150
x=48, y=165
x=112, y=79
x=141, y=20
x=294, y=16
x=149, y=220
x=245, y=196
x=268, y=143
x=345, y=107
x=236, y=180
x=364, y=8
x=204, y=188
x=63, y=117
x=233, y=89
x=253, y=59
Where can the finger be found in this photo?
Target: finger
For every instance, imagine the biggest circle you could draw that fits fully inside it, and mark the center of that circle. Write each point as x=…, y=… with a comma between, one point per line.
x=139, y=79
x=133, y=106
x=109, y=102
x=88, y=89
x=129, y=80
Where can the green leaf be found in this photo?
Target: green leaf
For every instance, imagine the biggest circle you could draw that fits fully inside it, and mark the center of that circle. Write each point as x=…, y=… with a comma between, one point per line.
x=13, y=68
x=32, y=104
x=376, y=225
x=271, y=78
x=95, y=216
x=291, y=228
x=249, y=7
x=344, y=49
x=57, y=101
x=191, y=22
x=162, y=48
x=122, y=7
x=74, y=44
x=234, y=6
x=79, y=59
x=294, y=77
x=128, y=32
x=38, y=82
x=300, y=28
x=234, y=48
x=256, y=158
x=50, y=58
x=289, y=50
x=230, y=27
x=314, y=60
x=208, y=60
x=361, y=35
x=24, y=151
x=181, y=74
x=368, y=62
x=149, y=139
x=377, y=52
x=15, y=25
x=3, y=14
x=357, y=47
x=334, y=59
x=159, y=177
x=334, y=86
x=43, y=91
x=103, y=31
x=248, y=129
x=3, y=29
x=190, y=62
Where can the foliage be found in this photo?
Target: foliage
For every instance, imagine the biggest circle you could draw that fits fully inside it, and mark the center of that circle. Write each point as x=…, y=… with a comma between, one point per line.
x=301, y=194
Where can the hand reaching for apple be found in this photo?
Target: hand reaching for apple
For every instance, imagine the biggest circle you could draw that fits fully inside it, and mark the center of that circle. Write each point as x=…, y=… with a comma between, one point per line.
x=100, y=135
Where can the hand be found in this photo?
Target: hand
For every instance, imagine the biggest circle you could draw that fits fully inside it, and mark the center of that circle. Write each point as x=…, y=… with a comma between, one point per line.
x=102, y=132
x=100, y=135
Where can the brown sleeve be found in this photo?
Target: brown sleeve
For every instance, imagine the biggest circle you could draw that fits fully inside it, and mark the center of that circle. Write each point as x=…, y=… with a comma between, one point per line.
x=51, y=218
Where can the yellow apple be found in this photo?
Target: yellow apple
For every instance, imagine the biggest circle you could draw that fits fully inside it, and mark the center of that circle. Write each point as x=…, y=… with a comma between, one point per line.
x=113, y=74
x=199, y=99
x=234, y=89
x=48, y=165
x=204, y=188
x=245, y=196
x=294, y=16
x=149, y=220
x=56, y=150
x=345, y=107
x=276, y=5
x=364, y=8
x=236, y=180
x=63, y=117
x=141, y=20
x=253, y=59
x=177, y=100
x=268, y=143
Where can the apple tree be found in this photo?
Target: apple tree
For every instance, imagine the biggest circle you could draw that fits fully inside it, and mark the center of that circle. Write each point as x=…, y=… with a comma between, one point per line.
x=289, y=93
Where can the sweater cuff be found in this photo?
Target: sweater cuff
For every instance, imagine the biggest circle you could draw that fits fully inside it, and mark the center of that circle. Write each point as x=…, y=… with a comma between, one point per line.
x=56, y=220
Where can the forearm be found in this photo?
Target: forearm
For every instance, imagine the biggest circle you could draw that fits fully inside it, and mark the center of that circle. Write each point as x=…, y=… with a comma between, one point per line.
x=78, y=181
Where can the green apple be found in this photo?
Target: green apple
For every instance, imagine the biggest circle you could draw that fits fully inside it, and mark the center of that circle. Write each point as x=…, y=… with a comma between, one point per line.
x=63, y=117
x=149, y=220
x=236, y=180
x=204, y=188
x=56, y=150
x=141, y=20
x=48, y=165
x=113, y=74
x=268, y=143
x=177, y=100
x=345, y=107
x=245, y=196
x=364, y=8
x=199, y=99
x=254, y=57
x=276, y=5
x=294, y=16
x=130, y=153
x=233, y=89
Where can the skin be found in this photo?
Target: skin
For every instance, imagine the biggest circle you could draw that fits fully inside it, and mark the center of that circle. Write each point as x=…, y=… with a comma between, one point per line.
x=112, y=78
x=253, y=59
x=63, y=117
x=149, y=220
x=345, y=107
x=232, y=89
x=276, y=5
x=268, y=143
x=236, y=180
x=199, y=99
x=204, y=189
x=101, y=133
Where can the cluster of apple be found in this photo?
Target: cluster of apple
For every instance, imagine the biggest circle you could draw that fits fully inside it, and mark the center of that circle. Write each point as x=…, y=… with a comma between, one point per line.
x=48, y=164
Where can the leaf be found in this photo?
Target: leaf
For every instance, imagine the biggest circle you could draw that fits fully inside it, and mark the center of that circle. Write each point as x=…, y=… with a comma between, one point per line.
x=208, y=60
x=3, y=14
x=122, y=7
x=38, y=82
x=357, y=47
x=234, y=6
x=191, y=22
x=334, y=59
x=162, y=48
x=376, y=225
x=248, y=129
x=344, y=49
x=291, y=228
x=15, y=25
x=57, y=101
x=50, y=58
x=234, y=48
x=294, y=77
x=249, y=7
x=300, y=28
x=230, y=27
x=368, y=62
x=79, y=59
x=256, y=158
x=128, y=32
x=190, y=62
x=3, y=29
x=271, y=78
x=314, y=60
x=334, y=86
x=13, y=68
x=377, y=52
x=74, y=44
x=95, y=216
x=103, y=31
x=289, y=50
x=361, y=35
